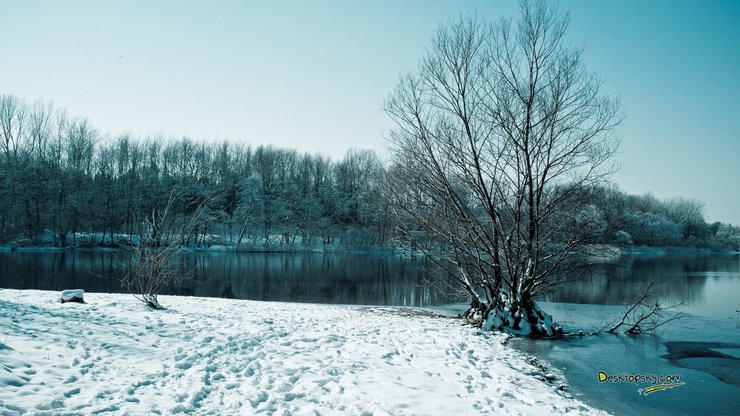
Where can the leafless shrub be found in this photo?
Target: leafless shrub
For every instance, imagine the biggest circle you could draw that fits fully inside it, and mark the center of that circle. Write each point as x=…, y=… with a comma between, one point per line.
x=155, y=262
x=644, y=314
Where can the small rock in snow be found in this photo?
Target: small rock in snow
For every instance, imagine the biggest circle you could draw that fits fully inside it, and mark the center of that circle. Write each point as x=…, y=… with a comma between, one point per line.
x=550, y=376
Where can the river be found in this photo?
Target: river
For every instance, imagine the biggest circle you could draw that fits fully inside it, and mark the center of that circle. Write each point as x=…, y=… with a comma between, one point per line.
x=367, y=278
x=703, y=348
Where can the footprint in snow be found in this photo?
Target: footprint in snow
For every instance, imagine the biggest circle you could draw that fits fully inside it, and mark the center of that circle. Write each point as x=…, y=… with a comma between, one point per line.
x=259, y=399
x=72, y=392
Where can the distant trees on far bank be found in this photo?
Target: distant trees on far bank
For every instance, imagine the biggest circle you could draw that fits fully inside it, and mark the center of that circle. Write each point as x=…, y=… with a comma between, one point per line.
x=64, y=183
x=61, y=179
x=643, y=220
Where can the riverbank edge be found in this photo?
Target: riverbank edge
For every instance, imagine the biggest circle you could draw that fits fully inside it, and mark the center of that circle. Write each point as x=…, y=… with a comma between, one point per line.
x=230, y=249
x=611, y=254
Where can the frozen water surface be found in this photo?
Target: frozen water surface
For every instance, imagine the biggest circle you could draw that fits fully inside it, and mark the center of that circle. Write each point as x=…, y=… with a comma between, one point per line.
x=703, y=348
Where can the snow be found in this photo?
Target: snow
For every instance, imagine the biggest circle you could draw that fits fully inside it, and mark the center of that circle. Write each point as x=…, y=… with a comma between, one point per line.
x=501, y=318
x=73, y=295
x=113, y=355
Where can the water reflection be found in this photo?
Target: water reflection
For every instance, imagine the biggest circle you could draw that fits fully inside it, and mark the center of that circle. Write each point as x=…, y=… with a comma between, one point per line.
x=372, y=278
x=678, y=280
x=339, y=278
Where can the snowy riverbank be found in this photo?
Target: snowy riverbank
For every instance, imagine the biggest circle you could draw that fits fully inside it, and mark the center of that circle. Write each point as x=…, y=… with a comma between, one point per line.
x=219, y=356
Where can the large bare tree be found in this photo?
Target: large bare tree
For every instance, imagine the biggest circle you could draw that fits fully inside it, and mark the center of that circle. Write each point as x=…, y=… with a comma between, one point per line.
x=500, y=133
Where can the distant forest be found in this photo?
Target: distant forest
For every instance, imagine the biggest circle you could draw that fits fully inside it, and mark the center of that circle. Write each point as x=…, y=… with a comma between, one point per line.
x=65, y=184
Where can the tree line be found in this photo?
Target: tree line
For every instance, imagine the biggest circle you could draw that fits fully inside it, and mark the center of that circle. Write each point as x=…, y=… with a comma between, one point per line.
x=644, y=220
x=63, y=183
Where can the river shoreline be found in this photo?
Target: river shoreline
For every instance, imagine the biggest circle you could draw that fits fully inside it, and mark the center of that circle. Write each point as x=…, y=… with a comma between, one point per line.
x=612, y=253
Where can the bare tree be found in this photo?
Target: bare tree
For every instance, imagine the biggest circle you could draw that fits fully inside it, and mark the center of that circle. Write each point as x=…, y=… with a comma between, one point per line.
x=644, y=314
x=13, y=112
x=499, y=135
x=40, y=131
x=155, y=261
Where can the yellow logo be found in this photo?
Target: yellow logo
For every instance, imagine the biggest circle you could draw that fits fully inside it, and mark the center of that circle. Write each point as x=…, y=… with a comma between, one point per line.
x=659, y=387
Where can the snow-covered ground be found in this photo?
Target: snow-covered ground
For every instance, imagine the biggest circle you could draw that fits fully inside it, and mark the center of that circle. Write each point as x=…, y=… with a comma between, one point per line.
x=218, y=356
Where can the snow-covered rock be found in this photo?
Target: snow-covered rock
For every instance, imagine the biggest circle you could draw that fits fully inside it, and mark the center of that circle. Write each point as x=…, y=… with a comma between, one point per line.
x=73, y=295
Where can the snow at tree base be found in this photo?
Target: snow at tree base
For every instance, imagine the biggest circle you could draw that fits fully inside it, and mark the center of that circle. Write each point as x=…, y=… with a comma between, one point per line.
x=533, y=321
x=113, y=355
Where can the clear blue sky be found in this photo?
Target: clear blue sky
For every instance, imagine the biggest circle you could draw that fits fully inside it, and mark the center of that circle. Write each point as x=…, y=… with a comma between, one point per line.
x=313, y=75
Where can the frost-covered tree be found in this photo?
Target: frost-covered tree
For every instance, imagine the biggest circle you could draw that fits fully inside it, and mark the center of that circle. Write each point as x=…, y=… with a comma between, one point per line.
x=499, y=133
x=689, y=215
x=358, y=176
x=13, y=116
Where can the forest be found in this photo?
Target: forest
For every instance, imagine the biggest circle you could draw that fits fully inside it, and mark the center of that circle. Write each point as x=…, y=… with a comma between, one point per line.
x=65, y=184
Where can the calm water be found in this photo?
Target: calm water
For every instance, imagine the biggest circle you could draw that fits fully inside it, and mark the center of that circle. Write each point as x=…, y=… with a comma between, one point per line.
x=703, y=348
x=339, y=278
x=705, y=284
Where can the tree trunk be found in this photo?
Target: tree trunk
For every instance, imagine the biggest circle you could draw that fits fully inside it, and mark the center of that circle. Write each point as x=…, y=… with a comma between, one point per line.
x=520, y=316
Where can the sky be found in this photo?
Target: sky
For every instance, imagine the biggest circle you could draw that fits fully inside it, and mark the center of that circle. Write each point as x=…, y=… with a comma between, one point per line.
x=313, y=75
